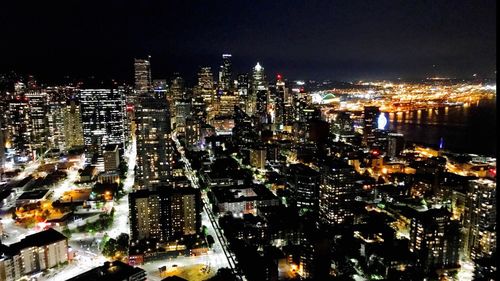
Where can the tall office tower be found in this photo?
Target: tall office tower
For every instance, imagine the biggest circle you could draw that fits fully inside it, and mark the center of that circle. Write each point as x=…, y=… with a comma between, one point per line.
x=177, y=91
x=19, y=129
x=370, y=115
x=395, y=144
x=279, y=101
x=205, y=79
x=289, y=108
x=38, y=111
x=258, y=78
x=435, y=240
x=183, y=111
x=154, y=144
x=258, y=92
x=480, y=219
x=73, y=130
x=205, y=87
x=164, y=215
x=336, y=193
x=226, y=73
x=103, y=117
x=304, y=187
x=198, y=109
x=142, y=69
x=242, y=85
x=177, y=87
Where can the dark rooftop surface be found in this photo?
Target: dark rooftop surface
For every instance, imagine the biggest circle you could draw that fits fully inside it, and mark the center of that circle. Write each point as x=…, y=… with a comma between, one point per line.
x=110, y=271
x=242, y=193
x=35, y=194
x=39, y=239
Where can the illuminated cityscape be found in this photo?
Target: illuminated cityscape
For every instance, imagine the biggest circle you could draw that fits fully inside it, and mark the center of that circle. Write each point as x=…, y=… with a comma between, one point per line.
x=166, y=149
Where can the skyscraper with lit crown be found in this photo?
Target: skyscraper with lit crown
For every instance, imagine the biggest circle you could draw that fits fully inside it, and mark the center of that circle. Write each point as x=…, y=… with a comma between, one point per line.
x=225, y=75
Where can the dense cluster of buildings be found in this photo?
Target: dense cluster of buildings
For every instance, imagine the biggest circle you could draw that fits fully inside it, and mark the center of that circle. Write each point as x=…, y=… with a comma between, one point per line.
x=299, y=189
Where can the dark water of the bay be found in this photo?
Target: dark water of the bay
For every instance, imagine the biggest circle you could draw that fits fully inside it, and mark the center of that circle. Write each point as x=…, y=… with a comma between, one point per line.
x=467, y=129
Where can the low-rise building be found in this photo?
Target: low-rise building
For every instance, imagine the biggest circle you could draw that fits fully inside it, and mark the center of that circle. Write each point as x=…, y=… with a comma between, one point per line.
x=242, y=199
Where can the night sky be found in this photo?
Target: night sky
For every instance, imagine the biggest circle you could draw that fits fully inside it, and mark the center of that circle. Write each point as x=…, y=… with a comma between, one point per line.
x=340, y=40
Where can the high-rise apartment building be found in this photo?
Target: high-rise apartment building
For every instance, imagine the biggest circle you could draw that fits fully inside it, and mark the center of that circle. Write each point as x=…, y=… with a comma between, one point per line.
x=435, y=239
x=73, y=131
x=55, y=119
x=19, y=128
x=480, y=219
x=38, y=111
x=166, y=214
x=336, y=193
x=154, y=144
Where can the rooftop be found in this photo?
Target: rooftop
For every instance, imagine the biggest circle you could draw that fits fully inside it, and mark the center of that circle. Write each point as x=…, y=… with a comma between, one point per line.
x=110, y=271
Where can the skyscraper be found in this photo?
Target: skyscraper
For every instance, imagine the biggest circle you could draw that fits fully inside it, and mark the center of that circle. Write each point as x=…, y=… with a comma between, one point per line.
x=154, y=144
x=142, y=75
x=225, y=75
x=370, y=115
x=435, y=240
x=55, y=119
x=259, y=92
x=103, y=112
x=279, y=101
x=164, y=215
x=38, y=111
x=19, y=128
x=480, y=219
x=336, y=193
x=73, y=132
x=205, y=78
x=304, y=187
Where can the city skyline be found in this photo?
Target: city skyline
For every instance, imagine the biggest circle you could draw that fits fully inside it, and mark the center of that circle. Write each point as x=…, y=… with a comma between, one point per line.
x=248, y=141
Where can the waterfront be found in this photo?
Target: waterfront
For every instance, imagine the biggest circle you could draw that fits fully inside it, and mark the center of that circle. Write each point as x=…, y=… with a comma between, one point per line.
x=469, y=129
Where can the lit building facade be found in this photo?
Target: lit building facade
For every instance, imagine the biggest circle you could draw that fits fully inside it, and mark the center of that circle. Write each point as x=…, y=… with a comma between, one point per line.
x=38, y=112
x=480, y=219
x=73, y=131
x=154, y=144
x=337, y=193
x=34, y=253
x=19, y=128
x=142, y=68
x=370, y=114
x=304, y=187
x=164, y=215
x=103, y=118
x=226, y=73
x=435, y=239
